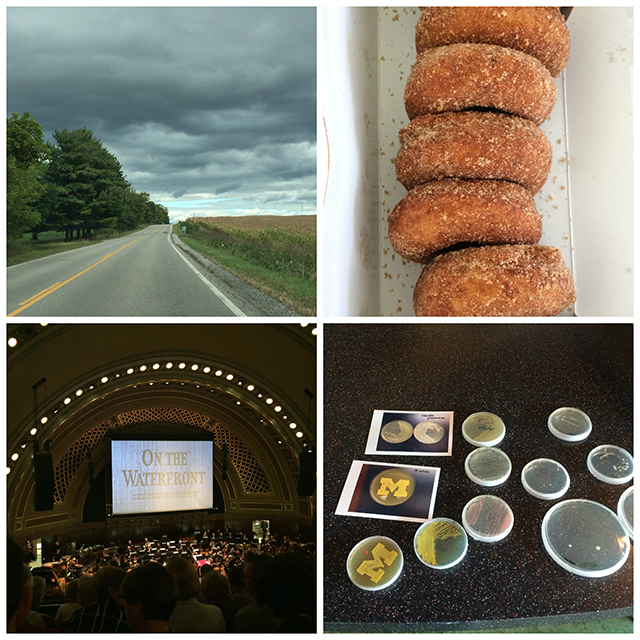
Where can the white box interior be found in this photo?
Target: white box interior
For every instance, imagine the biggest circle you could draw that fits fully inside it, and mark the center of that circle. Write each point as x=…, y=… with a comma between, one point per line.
x=586, y=204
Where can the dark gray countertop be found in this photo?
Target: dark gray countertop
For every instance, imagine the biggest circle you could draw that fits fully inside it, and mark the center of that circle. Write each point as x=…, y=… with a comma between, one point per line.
x=521, y=372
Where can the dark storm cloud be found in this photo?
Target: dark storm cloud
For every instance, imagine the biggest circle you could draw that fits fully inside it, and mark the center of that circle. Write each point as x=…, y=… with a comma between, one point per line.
x=194, y=101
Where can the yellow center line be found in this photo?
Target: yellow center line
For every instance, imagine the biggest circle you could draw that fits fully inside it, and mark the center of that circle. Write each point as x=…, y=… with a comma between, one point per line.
x=43, y=294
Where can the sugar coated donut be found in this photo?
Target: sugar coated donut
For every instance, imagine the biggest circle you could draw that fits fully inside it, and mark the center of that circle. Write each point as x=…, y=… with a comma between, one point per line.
x=473, y=144
x=437, y=215
x=502, y=280
x=539, y=31
x=463, y=76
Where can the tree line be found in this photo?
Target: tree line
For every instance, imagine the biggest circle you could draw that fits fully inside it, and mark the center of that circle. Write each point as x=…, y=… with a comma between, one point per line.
x=74, y=185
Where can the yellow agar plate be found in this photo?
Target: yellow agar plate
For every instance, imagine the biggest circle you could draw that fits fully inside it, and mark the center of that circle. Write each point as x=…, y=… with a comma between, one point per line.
x=392, y=487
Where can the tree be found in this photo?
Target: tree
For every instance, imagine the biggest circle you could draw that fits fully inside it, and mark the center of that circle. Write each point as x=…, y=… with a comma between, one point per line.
x=91, y=187
x=27, y=154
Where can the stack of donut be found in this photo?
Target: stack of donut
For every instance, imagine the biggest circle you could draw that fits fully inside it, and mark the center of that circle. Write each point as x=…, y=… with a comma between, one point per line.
x=473, y=157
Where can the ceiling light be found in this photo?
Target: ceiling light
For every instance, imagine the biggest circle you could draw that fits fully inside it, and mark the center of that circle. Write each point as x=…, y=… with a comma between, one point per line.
x=314, y=331
x=182, y=365
x=79, y=392
x=207, y=369
x=143, y=367
x=218, y=372
x=250, y=387
x=12, y=342
x=277, y=408
x=293, y=425
x=104, y=379
x=169, y=365
x=230, y=376
x=156, y=366
x=299, y=434
x=14, y=456
x=67, y=400
x=269, y=400
x=129, y=371
x=33, y=431
x=194, y=367
x=44, y=420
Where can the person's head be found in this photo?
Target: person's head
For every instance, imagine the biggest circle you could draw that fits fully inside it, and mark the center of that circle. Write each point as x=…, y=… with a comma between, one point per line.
x=149, y=593
x=215, y=587
x=19, y=590
x=253, y=565
x=107, y=582
x=85, y=591
x=186, y=577
x=236, y=580
x=39, y=587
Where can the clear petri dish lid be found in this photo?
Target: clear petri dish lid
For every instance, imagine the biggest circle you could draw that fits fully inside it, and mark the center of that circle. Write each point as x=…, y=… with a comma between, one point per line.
x=375, y=563
x=440, y=543
x=585, y=538
x=483, y=429
x=545, y=479
x=570, y=424
x=611, y=464
x=487, y=518
x=625, y=510
x=487, y=466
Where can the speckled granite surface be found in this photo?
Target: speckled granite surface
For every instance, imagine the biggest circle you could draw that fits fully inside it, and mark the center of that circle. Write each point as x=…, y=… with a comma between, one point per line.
x=522, y=372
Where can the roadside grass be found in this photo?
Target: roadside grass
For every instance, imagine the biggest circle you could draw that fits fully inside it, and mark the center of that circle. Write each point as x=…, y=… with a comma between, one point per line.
x=26, y=248
x=275, y=254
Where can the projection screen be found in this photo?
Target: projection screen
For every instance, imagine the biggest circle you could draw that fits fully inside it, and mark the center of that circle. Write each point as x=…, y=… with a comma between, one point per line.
x=151, y=476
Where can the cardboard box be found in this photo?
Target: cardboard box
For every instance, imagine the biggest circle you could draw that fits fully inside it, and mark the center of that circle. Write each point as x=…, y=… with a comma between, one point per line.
x=586, y=204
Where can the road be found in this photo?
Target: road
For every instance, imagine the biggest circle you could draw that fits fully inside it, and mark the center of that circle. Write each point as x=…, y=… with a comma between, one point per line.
x=143, y=274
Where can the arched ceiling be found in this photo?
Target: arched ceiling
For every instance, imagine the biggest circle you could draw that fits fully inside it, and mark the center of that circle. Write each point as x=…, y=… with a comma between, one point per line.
x=256, y=381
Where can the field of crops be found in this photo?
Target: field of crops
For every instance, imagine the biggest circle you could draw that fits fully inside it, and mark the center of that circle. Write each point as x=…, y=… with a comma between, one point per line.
x=274, y=253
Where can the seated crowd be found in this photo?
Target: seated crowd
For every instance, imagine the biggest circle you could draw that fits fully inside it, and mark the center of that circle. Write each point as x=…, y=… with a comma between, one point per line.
x=266, y=590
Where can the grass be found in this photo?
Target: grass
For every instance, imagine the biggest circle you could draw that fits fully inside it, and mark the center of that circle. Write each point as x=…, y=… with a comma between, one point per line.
x=275, y=254
x=25, y=248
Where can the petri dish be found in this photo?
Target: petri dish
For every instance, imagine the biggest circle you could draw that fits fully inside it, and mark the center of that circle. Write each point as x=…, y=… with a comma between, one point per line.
x=483, y=429
x=396, y=432
x=392, y=487
x=570, y=424
x=375, y=563
x=611, y=464
x=585, y=538
x=440, y=543
x=487, y=466
x=428, y=432
x=625, y=510
x=545, y=479
x=487, y=518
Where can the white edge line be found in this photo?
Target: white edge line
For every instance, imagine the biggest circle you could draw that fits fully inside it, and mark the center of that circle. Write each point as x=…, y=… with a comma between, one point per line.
x=213, y=288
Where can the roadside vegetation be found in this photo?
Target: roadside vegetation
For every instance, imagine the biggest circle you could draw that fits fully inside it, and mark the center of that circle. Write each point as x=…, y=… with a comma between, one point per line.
x=275, y=254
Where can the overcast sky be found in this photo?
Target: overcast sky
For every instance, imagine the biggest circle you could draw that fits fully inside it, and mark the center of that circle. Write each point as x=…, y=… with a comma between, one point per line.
x=210, y=110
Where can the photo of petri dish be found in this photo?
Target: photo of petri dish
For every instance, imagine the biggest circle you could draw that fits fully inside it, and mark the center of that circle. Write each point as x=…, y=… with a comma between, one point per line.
x=375, y=563
x=487, y=518
x=585, y=538
x=428, y=432
x=440, y=543
x=392, y=487
x=396, y=432
x=611, y=464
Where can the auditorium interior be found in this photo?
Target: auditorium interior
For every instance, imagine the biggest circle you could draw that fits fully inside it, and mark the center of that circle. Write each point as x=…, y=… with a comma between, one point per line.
x=74, y=388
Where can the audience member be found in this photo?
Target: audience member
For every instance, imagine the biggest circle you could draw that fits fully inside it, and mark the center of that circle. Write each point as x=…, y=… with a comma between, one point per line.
x=256, y=617
x=150, y=595
x=189, y=615
x=27, y=626
x=216, y=590
x=81, y=593
x=19, y=592
x=105, y=615
x=35, y=617
x=238, y=588
x=288, y=587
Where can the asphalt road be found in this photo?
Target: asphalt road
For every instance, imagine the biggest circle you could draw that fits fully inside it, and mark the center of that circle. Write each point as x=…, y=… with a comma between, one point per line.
x=144, y=274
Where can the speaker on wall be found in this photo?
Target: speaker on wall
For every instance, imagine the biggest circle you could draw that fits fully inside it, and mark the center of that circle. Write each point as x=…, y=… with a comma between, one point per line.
x=307, y=480
x=42, y=482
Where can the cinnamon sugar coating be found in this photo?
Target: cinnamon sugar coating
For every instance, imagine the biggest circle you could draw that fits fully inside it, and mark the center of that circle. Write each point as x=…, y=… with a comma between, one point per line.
x=471, y=144
x=539, y=31
x=506, y=280
x=440, y=214
x=463, y=76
